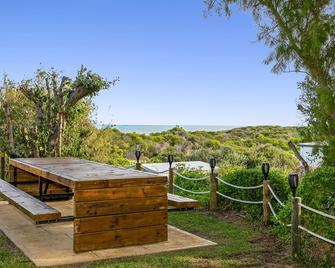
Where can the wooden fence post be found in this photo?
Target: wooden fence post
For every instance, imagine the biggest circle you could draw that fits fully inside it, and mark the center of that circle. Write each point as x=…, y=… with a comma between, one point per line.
x=3, y=166
x=296, y=233
x=171, y=180
x=266, y=200
x=213, y=203
x=138, y=166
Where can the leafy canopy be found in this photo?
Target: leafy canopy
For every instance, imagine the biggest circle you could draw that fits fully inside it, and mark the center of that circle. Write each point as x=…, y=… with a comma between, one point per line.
x=301, y=34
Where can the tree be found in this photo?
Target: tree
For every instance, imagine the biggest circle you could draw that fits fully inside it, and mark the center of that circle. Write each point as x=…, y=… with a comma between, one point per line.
x=50, y=101
x=302, y=34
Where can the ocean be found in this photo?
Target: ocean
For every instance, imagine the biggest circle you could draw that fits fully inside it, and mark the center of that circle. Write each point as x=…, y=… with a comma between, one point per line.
x=147, y=129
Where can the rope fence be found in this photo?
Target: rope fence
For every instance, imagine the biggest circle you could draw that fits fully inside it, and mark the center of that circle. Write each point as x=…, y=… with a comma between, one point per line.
x=268, y=195
x=240, y=187
x=239, y=200
x=316, y=235
x=317, y=211
x=190, y=179
x=275, y=196
x=272, y=210
x=189, y=191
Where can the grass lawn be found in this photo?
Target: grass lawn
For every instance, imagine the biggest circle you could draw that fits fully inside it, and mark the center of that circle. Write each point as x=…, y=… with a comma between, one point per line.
x=239, y=245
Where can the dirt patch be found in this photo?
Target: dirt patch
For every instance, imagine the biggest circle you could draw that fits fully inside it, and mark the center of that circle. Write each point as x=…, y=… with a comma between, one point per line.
x=272, y=251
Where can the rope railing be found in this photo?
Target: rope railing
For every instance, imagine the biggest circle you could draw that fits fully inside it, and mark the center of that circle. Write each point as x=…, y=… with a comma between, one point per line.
x=239, y=200
x=316, y=235
x=238, y=186
x=275, y=196
x=317, y=211
x=190, y=179
x=272, y=211
x=189, y=191
x=276, y=217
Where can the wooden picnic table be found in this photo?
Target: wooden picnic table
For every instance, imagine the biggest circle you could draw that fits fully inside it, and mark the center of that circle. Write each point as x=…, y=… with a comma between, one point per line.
x=113, y=206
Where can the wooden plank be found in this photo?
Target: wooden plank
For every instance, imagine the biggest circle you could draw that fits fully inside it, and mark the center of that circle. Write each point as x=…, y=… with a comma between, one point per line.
x=120, y=193
x=85, y=174
x=120, y=221
x=33, y=189
x=95, y=184
x=38, y=171
x=119, y=238
x=31, y=206
x=21, y=175
x=110, y=207
x=182, y=202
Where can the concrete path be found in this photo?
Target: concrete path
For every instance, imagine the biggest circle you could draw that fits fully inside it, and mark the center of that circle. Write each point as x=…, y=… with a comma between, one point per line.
x=51, y=244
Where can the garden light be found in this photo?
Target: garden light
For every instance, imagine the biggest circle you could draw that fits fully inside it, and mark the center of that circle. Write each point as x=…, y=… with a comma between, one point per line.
x=212, y=163
x=266, y=170
x=138, y=155
x=293, y=180
x=170, y=159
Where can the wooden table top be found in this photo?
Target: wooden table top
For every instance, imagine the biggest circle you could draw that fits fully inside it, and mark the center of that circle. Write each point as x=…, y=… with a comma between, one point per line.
x=79, y=173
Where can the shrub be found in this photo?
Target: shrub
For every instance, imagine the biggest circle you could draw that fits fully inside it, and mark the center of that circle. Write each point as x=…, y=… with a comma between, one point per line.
x=317, y=190
x=196, y=186
x=242, y=177
x=251, y=177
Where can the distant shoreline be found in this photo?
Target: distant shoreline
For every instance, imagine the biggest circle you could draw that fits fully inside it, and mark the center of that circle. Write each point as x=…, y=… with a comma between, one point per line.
x=147, y=129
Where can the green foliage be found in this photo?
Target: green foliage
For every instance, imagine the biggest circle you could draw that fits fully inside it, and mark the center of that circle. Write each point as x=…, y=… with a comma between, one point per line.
x=301, y=34
x=251, y=177
x=239, y=147
x=195, y=186
x=316, y=190
x=48, y=114
x=240, y=177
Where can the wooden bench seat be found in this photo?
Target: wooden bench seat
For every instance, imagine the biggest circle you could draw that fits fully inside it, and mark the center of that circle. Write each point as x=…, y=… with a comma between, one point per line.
x=34, y=208
x=182, y=202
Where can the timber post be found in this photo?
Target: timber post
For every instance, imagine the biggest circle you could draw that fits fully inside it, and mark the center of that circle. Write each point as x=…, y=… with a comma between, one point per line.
x=3, y=166
x=293, y=180
x=266, y=194
x=171, y=174
x=138, y=165
x=266, y=201
x=296, y=234
x=213, y=203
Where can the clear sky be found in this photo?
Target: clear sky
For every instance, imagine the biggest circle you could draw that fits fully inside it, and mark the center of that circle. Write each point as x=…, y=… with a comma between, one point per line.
x=175, y=66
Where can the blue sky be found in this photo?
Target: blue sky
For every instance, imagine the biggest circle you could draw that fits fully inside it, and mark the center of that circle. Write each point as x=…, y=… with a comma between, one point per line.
x=175, y=66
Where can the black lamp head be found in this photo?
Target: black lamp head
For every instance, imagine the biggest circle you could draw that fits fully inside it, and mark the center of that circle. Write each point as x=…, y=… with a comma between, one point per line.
x=266, y=170
x=293, y=180
x=170, y=159
x=212, y=164
x=138, y=155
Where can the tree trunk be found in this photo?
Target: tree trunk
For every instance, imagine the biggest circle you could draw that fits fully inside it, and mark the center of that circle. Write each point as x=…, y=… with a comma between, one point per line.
x=10, y=130
x=60, y=135
x=298, y=155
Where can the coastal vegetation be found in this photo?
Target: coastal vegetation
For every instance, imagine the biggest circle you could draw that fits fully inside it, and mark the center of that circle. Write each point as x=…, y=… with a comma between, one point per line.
x=301, y=36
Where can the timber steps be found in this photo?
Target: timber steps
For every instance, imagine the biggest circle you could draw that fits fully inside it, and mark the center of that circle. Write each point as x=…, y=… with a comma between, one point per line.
x=34, y=208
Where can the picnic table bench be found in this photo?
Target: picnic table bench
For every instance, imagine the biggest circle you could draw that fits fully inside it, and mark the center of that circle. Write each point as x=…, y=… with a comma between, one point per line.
x=113, y=207
x=34, y=208
x=182, y=202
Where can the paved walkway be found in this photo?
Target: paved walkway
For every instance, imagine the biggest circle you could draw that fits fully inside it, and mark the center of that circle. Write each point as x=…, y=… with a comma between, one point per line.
x=51, y=244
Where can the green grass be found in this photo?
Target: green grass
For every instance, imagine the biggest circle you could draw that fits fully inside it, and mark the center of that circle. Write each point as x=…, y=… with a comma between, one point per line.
x=239, y=245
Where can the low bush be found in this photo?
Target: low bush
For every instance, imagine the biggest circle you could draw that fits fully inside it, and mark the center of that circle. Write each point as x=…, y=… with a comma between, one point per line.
x=251, y=177
x=241, y=177
x=316, y=190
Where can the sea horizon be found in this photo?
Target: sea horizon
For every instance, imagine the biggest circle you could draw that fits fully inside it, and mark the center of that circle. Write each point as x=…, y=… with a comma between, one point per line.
x=147, y=129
